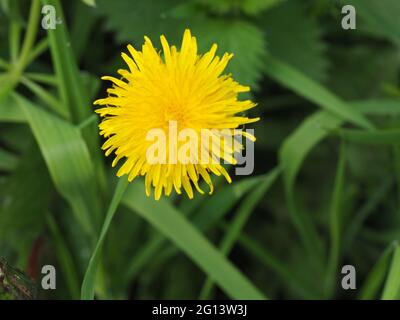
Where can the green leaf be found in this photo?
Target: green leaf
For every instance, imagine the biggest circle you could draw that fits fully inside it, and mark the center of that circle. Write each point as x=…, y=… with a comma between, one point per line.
x=10, y=80
x=73, y=93
x=297, y=146
x=362, y=71
x=250, y=7
x=378, y=107
x=82, y=31
x=207, y=215
x=68, y=161
x=270, y=261
x=132, y=20
x=9, y=110
x=70, y=86
x=335, y=221
x=205, y=218
x=88, y=284
x=298, y=41
x=25, y=198
x=215, y=208
x=242, y=215
x=376, y=276
x=304, y=86
x=380, y=18
x=91, y=3
x=378, y=137
x=243, y=39
x=255, y=7
x=172, y=224
x=315, y=128
x=392, y=286
x=45, y=96
x=367, y=209
x=291, y=156
x=220, y=7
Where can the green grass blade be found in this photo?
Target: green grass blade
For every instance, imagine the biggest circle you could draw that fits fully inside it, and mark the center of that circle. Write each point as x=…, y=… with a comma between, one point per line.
x=213, y=210
x=378, y=17
x=45, y=96
x=313, y=130
x=378, y=137
x=14, y=36
x=335, y=222
x=68, y=161
x=378, y=107
x=91, y=3
x=291, y=78
x=367, y=209
x=291, y=155
x=241, y=217
x=172, y=224
x=221, y=203
x=28, y=190
x=44, y=78
x=376, y=276
x=392, y=285
x=306, y=136
x=88, y=284
x=9, y=110
x=82, y=28
x=75, y=97
x=11, y=81
x=272, y=262
x=66, y=69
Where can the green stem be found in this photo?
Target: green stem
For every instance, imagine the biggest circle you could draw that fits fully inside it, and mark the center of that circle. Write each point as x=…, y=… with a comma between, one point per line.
x=37, y=50
x=16, y=70
x=44, y=78
x=30, y=34
x=14, y=38
x=14, y=31
x=45, y=96
x=335, y=222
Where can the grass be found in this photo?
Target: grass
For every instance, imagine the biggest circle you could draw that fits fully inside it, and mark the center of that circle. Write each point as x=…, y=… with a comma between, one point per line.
x=324, y=187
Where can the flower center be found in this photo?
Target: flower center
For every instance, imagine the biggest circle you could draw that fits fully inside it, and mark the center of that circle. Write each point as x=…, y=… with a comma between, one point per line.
x=174, y=113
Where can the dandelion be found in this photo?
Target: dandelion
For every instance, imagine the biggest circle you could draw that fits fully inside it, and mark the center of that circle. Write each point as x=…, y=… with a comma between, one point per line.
x=182, y=87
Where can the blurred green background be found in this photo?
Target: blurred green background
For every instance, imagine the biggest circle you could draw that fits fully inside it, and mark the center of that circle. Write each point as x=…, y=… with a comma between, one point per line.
x=325, y=191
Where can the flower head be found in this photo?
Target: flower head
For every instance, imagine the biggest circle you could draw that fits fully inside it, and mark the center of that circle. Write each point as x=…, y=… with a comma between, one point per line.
x=179, y=88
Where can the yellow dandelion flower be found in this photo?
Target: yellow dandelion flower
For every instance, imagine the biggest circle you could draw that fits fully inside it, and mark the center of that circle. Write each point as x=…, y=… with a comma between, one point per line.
x=179, y=89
